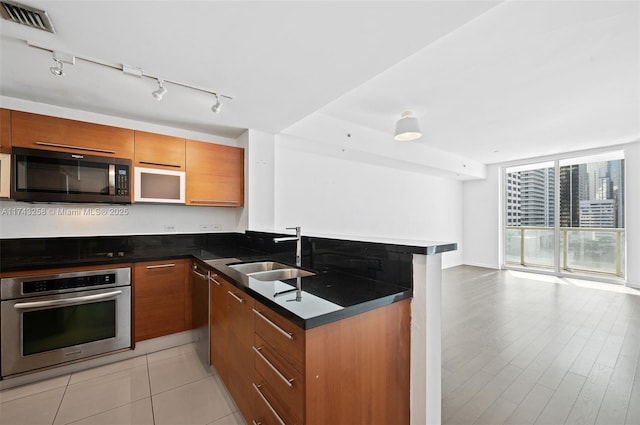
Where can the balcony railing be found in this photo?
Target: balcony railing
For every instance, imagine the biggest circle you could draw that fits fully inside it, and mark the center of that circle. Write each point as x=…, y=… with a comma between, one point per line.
x=582, y=249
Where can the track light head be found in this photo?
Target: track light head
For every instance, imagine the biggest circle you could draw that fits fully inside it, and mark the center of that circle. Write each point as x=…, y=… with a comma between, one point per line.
x=157, y=94
x=57, y=70
x=216, y=106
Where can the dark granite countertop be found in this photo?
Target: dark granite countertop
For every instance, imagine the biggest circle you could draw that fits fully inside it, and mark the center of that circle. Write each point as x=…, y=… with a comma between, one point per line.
x=313, y=300
x=351, y=276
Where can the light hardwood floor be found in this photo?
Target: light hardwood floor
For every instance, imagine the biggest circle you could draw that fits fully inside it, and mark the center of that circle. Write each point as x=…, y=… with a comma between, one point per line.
x=531, y=349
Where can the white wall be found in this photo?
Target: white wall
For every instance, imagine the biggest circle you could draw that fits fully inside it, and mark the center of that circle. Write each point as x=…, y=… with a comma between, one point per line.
x=481, y=199
x=25, y=220
x=259, y=178
x=333, y=196
x=482, y=245
x=632, y=212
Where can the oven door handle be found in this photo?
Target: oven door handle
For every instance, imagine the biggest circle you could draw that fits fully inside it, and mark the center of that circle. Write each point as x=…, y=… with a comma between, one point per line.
x=66, y=301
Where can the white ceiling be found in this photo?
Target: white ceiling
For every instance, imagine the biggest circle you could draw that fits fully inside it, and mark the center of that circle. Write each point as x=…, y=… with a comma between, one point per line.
x=491, y=81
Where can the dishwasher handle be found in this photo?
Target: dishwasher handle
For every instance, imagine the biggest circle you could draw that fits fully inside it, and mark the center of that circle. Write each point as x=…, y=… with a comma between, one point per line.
x=195, y=271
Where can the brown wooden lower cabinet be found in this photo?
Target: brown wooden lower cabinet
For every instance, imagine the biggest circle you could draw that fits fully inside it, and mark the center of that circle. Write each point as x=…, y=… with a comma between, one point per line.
x=219, y=326
x=162, y=299
x=353, y=371
x=231, y=335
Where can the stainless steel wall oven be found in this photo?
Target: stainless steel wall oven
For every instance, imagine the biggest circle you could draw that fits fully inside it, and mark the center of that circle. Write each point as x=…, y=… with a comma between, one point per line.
x=52, y=319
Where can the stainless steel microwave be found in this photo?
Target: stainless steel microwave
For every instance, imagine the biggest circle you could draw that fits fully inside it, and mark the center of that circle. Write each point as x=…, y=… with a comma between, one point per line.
x=50, y=176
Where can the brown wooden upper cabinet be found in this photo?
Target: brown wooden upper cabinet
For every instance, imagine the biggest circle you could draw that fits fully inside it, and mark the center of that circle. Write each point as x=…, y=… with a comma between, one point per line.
x=159, y=151
x=215, y=174
x=5, y=130
x=59, y=134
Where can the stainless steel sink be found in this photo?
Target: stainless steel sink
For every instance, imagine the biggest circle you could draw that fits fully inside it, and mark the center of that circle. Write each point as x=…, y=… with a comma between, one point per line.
x=269, y=271
x=258, y=266
x=280, y=274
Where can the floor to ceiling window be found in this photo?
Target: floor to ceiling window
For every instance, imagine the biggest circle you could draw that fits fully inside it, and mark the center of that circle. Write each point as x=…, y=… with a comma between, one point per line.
x=566, y=216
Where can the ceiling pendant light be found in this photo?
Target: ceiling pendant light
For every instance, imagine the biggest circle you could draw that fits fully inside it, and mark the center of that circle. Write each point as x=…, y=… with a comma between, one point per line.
x=57, y=70
x=407, y=128
x=216, y=106
x=157, y=94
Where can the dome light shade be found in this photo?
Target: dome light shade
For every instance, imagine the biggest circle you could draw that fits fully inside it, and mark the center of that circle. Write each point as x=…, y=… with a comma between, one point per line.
x=407, y=128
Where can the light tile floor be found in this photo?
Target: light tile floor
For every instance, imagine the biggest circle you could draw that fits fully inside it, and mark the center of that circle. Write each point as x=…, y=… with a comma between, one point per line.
x=167, y=387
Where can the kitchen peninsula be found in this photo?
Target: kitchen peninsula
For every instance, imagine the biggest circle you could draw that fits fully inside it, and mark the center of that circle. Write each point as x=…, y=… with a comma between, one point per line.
x=351, y=279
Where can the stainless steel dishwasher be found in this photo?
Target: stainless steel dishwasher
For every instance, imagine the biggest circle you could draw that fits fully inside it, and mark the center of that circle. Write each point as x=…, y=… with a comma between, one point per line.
x=200, y=302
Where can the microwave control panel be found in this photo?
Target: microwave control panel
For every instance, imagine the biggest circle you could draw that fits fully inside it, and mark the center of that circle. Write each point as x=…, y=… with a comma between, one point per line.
x=122, y=180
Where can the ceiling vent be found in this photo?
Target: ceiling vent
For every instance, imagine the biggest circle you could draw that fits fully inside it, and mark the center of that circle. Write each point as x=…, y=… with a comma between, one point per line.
x=25, y=15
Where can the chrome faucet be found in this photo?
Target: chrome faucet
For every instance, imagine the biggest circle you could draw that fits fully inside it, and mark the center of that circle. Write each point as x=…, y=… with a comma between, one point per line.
x=298, y=239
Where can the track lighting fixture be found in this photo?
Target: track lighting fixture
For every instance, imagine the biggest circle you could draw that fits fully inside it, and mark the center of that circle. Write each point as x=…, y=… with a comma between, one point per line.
x=57, y=70
x=407, y=128
x=216, y=106
x=157, y=94
x=61, y=58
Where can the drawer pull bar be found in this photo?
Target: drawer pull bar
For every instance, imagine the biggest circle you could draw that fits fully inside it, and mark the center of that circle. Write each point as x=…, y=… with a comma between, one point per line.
x=280, y=375
x=161, y=164
x=278, y=328
x=80, y=148
x=161, y=266
x=256, y=423
x=240, y=300
x=213, y=278
x=257, y=388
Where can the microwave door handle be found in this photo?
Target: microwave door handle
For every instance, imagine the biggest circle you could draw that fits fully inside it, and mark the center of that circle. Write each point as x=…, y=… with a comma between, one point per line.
x=112, y=179
x=66, y=301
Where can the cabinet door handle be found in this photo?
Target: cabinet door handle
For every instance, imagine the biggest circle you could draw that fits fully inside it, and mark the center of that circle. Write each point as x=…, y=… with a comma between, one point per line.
x=212, y=201
x=195, y=271
x=161, y=266
x=257, y=388
x=80, y=148
x=280, y=375
x=163, y=164
x=240, y=300
x=213, y=278
x=256, y=423
x=288, y=335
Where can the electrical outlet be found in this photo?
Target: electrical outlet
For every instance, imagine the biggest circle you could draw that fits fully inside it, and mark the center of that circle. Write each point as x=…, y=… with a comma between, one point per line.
x=169, y=228
x=216, y=227
x=205, y=227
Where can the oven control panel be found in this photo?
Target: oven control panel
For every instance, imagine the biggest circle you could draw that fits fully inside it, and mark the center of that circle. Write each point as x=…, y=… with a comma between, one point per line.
x=36, y=285
x=68, y=283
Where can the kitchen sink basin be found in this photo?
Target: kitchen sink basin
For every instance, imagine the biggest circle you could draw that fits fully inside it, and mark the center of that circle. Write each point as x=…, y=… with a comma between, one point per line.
x=258, y=266
x=269, y=271
x=280, y=274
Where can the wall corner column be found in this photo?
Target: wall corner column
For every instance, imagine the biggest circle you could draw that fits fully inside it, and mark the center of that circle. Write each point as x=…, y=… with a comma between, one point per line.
x=426, y=340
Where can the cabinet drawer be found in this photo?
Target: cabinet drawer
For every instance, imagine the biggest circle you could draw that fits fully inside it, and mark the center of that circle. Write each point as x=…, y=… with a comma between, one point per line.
x=268, y=410
x=286, y=382
x=283, y=336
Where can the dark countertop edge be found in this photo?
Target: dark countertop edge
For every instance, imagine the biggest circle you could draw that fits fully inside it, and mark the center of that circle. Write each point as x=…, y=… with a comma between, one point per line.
x=96, y=262
x=334, y=316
